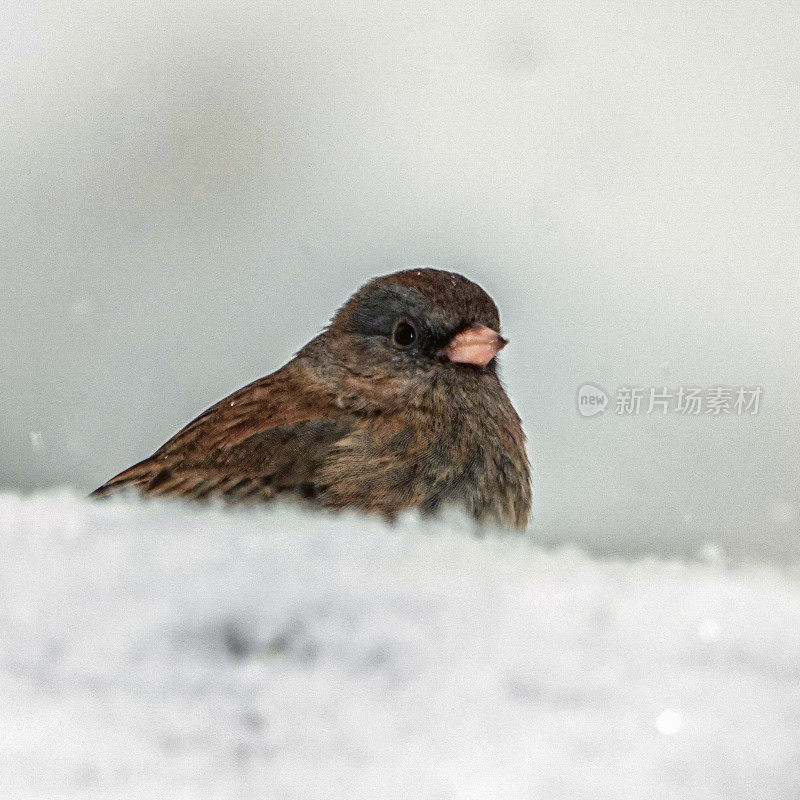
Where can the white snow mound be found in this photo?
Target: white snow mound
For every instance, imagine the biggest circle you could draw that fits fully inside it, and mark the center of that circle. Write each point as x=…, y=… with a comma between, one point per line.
x=159, y=651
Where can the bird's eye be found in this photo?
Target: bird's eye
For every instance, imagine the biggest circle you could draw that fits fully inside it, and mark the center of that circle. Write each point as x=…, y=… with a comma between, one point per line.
x=404, y=334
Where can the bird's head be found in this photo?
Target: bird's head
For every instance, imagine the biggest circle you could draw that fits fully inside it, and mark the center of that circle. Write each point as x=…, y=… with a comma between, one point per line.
x=417, y=327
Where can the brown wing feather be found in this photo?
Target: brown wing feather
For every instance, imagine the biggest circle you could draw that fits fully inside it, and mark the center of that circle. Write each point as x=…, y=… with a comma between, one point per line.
x=266, y=438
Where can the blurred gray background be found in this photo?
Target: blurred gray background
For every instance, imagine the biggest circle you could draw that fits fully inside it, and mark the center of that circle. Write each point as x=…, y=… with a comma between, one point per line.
x=188, y=191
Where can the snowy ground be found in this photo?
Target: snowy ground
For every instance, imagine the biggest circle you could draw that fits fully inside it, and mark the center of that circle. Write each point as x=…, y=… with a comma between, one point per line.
x=151, y=651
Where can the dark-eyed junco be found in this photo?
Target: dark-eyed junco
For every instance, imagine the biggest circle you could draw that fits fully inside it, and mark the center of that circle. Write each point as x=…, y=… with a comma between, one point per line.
x=396, y=405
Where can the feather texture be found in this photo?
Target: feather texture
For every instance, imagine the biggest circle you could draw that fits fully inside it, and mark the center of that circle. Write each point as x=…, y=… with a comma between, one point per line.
x=354, y=421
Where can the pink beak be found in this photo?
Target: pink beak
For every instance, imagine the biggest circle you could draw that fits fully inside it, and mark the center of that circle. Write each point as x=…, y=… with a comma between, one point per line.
x=476, y=345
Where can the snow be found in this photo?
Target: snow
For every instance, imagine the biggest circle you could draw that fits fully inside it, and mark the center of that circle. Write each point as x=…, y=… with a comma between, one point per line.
x=161, y=651
x=188, y=192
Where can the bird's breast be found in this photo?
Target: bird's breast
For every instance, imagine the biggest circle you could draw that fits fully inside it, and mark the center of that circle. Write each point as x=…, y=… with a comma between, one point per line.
x=416, y=459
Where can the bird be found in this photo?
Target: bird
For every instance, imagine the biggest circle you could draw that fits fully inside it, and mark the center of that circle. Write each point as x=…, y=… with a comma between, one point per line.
x=397, y=405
